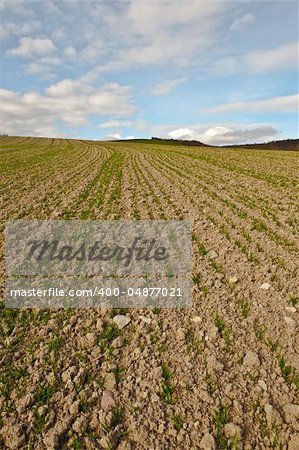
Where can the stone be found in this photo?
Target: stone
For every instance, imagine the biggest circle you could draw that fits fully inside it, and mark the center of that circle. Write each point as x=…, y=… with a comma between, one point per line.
x=90, y=339
x=265, y=286
x=251, y=360
x=69, y=374
x=291, y=413
x=80, y=425
x=108, y=400
x=232, y=431
x=52, y=325
x=212, y=331
x=51, y=441
x=262, y=384
x=99, y=325
x=145, y=319
x=207, y=442
x=104, y=443
x=94, y=422
x=118, y=342
x=197, y=319
x=74, y=408
x=110, y=381
x=121, y=321
x=213, y=364
x=80, y=376
x=13, y=435
x=272, y=416
x=233, y=280
x=294, y=442
x=25, y=402
x=291, y=309
x=289, y=321
x=53, y=436
x=212, y=254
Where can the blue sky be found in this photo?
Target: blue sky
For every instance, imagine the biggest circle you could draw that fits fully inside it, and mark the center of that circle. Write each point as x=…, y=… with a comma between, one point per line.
x=220, y=72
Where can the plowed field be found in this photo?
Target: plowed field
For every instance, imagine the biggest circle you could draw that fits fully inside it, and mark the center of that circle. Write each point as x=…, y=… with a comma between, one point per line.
x=223, y=374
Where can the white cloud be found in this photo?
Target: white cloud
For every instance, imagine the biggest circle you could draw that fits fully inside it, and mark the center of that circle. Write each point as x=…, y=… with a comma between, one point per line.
x=283, y=104
x=138, y=124
x=184, y=134
x=280, y=58
x=148, y=18
x=153, y=33
x=12, y=28
x=70, y=52
x=30, y=112
x=166, y=87
x=29, y=47
x=221, y=135
x=241, y=23
x=116, y=136
x=42, y=65
x=112, y=137
x=116, y=124
x=3, y=32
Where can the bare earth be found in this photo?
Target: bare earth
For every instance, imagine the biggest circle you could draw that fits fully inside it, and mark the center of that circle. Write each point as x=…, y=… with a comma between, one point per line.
x=223, y=374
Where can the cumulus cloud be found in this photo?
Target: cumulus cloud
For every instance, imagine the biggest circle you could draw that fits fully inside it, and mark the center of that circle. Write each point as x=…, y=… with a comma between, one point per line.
x=241, y=23
x=152, y=33
x=137, y=124
x=116, y=137
x=112, y=137
x=184, y=134
x=42, y=65
x=283, y=104
x=281, y=58
x=12, y=28
x=149, y=18
x=27, y=113
x=29, y=47
x=70, y=51
x=221, y=135
x=166, y=87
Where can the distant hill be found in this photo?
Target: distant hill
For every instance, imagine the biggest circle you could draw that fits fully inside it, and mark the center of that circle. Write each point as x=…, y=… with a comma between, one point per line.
x=287, y=144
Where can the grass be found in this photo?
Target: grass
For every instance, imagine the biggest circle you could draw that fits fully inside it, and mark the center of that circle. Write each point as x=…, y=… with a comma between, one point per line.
x=168, y=389
x=294, y=301
x=221, y=418
x=39, y=422
x=273, y=345
x=116, y=415
x=244, y=307
x=55, y=344
x=9, y=379
x=45, y=392
x=196, y=279
x=211, y=383
x=224, y=330
x=260, y=331
x=177, y=422
x=193, y=342
x=106, y=337
x=77, y=443
x=118, y=373
x=288, y=372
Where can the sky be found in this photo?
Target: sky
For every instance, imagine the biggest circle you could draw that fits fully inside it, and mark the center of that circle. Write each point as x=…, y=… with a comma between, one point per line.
x=219, y=72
